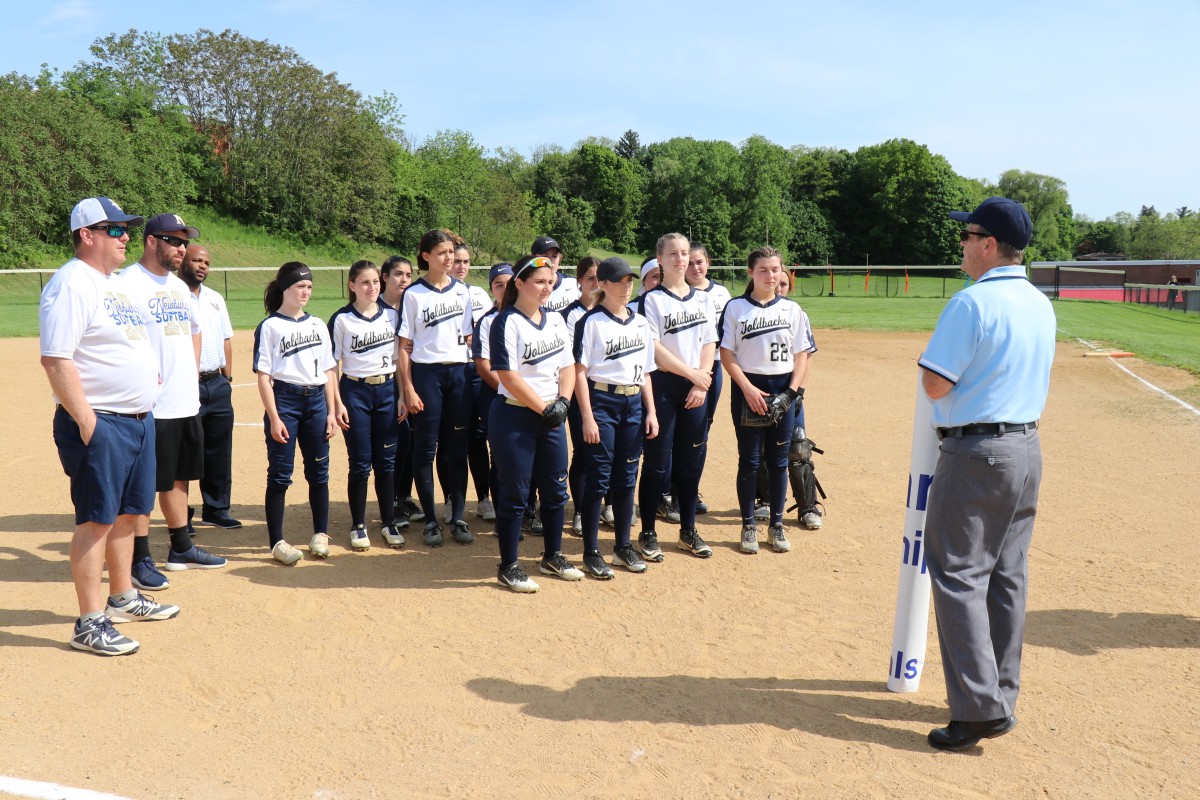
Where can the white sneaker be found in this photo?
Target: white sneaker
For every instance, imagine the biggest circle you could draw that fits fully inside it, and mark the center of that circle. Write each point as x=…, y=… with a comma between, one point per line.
x=558, y=565
x=606, y=516
x=811, y=520
x=393, y=536
x=577, y=525
x=779, y=539
x=485, y=510
x=319, y=545
x=284, y=553
x=447, y=513
x=750, y=539
x=359, y=539
x=515, y=578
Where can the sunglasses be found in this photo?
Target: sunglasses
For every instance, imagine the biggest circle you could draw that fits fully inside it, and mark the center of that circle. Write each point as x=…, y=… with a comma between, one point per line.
x=115, y=231
x=962, y=235
x=174, y=241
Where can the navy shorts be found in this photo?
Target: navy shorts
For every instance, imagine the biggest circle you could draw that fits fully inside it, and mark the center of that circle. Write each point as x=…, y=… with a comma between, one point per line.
x=113, y=474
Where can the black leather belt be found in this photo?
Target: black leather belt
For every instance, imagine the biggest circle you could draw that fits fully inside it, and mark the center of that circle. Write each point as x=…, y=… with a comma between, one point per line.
x=138, y=415
x=208, y=376
x=987, y=429
x=302, y=390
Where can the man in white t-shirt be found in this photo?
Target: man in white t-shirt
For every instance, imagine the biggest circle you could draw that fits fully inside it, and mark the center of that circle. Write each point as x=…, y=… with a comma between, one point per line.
x=102, y=371
x=165, y=303
x=216, y=392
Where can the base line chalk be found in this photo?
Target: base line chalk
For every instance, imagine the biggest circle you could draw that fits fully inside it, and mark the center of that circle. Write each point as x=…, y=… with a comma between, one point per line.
x=1142, y=380
x=50, y=791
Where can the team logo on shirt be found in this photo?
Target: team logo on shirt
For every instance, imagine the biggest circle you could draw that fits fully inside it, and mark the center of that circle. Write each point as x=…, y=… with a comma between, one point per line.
x=535, y=353
x=435, y=315
x=674, y=323
x=124, y=314
x=622, y=346
x=172, y=312
x=371, y=340
x=759, y=326
x=290, y=345
x=559, y=305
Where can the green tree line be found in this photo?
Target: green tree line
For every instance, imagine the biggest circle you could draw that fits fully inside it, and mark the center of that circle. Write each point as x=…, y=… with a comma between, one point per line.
x=254, y=131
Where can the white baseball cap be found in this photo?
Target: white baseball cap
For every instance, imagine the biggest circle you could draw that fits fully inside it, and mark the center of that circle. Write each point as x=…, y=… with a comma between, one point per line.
x=93, y=210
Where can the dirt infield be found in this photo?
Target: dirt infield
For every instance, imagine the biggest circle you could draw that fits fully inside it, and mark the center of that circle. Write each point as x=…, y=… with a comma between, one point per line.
x=396, y=674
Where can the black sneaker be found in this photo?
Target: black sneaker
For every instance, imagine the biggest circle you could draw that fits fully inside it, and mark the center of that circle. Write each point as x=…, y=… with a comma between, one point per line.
x=412, y=511
x=220, y=519
x=433, y=534
x=648, y=544
x=689, y=540
x=594, y=563
x=701, y=506
x=625, y=556
x=461, y=532
x=668, y=509
x=532, y=525
x=515, y=578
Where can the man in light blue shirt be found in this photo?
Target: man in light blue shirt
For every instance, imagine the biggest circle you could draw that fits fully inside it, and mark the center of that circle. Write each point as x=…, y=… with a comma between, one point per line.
x=987, y=370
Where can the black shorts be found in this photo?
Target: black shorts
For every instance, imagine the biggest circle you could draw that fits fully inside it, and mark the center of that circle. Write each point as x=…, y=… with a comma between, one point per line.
x=179, y=451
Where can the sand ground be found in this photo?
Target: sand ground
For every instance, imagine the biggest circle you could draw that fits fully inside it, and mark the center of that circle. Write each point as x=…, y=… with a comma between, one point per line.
x=410, y=673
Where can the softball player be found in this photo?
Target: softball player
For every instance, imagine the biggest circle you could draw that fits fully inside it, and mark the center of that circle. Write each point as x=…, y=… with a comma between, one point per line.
x=764, y=347
x=566, y=289
x=697, y=276
x=397, y=276
x=296, y=374
x=532, y=359
x=614, y=355
x=489, y=382
x=589, y=286
x=363, y=334
x=684, y=328
x=435, y=326
x=477, y=452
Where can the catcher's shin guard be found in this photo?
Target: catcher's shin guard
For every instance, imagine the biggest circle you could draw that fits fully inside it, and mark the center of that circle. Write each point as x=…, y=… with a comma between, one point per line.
x=802, y=475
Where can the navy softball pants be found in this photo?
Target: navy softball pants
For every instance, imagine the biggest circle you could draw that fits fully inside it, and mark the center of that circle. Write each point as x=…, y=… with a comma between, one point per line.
x=610, y=467
x=518, y=438
x=443, y=423
x=682, y=433
x=303, y=412
x=371, y=442
x=762, y=445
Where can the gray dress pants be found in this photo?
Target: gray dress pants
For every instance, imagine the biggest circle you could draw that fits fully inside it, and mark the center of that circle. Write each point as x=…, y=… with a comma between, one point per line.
x=979, y=522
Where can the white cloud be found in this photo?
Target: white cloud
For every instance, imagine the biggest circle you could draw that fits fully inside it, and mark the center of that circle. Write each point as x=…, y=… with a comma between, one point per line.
x=70, y=14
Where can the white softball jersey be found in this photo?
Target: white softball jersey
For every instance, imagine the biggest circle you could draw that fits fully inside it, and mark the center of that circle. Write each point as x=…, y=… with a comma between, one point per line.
x=535, y=352
x=437, y=321
x=481, y=303
x=763, y=336
x=86, y=317
x=566, y=291
x=366, y=346
x=719, y=296
x=295, y=351
x=681, y=324
x=166, y=306
x=613, y=350
x=481, y=342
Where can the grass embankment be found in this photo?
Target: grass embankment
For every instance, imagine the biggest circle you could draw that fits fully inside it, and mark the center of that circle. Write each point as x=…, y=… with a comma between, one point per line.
x=1170, y=338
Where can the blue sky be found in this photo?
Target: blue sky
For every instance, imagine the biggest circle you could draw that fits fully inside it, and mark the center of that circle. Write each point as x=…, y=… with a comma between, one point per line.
x=1103, y=94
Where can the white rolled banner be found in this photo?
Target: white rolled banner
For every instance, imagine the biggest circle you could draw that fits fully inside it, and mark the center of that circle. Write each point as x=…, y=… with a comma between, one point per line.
x=910, y=633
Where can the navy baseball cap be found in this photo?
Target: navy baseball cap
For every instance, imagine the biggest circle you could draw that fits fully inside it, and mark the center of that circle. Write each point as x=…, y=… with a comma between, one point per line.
x=498, y=270
x=613, y=269
x=94, y=210
x=1003, y=218
x=543, y=245
x=164, y=223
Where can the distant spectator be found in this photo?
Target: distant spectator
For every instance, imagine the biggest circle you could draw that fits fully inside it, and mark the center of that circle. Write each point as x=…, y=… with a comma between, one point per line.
x=1172, y=293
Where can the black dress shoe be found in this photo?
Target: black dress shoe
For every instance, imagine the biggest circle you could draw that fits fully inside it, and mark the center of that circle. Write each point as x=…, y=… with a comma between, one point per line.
x=221, y=519
x=959, y=735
